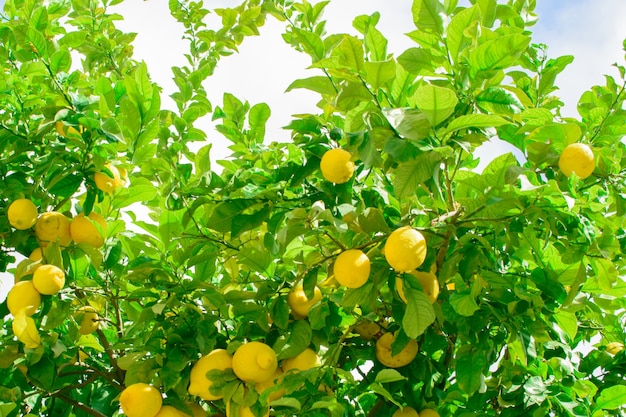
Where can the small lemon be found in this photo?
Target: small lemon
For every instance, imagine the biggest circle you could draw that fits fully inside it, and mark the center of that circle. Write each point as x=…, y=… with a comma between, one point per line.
x=52, y=226
x=87, y=319
x=336, y=166
x=169, y=411
x=36, y=255
x=352, y=268
x=428, y=281
x=83, y=229
x=404, y=357
x=428, y=412
x=141, y=400
x=199, y=384
x=299, y=303
x=577, y=158
x=254, y=361
x=25, y=330
x=405, y=249
x=306, y=359
x=22, y=214
x=405, y=411
x=23, y=295
x=614, y=348
x=49, y=279
x=108, y=183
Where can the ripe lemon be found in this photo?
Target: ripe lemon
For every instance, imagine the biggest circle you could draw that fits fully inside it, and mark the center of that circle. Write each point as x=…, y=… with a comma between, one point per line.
x=169, y=411
x=428, y=412
x=52, y=226
x=36, y=255
x=405, y=249
x=336, y=166
x=106, y=183
x=22, y=214
x=614, y=348
x=428, y=281
x=367, y=330
x=405, y=411
x=306, y=359
x=141, y=400
x=87, y=319
x=261, y=387
x=83, y=229
x=352, y=268
x=23, y=295
x=25, y=330
x=577, y=158
x=404, y=357
x=49, y=279
x=254, y=361
x=199, y=384
x=243, y=411
x=299, y=303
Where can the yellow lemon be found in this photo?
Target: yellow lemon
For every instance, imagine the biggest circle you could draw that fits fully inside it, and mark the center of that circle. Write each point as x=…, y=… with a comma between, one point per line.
x=52, y=226
x=23, y=295
x=299, y=303
x=404, y=357
x=254, y=361
x=199, y=384
x=336, y=166
x=141, y=400
x=367, y=330
x=405, y=411
x=261, y=387
x=169, y=411
x=352, y=268
x=84, y=230
x=428, y=281
x=428, y=412
x=87, y=319
x=614, y=348
x=405, y=249
x=306, y=359
x=577, y=158
x=243, y=411
x=36, y=255
x=22, y=214
x=108, y=183
x=49, y=279
x=25, y=330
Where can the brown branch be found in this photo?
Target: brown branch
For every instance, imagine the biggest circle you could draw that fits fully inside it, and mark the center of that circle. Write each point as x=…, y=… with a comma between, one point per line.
x=380, y=403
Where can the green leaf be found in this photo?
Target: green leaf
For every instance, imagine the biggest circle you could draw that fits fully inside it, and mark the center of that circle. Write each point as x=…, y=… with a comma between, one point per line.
x=498, y=100
x=319, y=84
x=418, y=61
x=67, y=186
x=389, y=375
x=568, y=322
x=60, y=61
x=474, y=120
x=463, y=303
x=299, y=339
x=257, y=118
x=141, y=189
x=437, y=103
x=469, y=366
x=351, y=53
x=427, y=15
x=410, y=123
x=498, y=53
x=409, y=175
x=379, y=73
x=419, y=313
x=612, y=398
x=311, y=43
x=456, y=38
x=257, y=260
x=221, y=219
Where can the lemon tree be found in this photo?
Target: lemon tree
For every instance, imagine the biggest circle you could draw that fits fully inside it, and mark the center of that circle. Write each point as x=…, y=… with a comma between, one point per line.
x=369, y=265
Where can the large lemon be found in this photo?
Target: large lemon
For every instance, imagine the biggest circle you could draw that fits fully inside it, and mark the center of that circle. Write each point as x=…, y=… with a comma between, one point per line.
x=22, y=214
x=299, y=303
x=405, y=249
x=48, y=279
x=336, y=166
x=83, y=229
x=141, y=400
x=52, y=226
x=352, y=268
x=25, y=330
x=428, y=281
x=404, y=357
x=23, y=295
x=428, y=412
x=254, y=362
x=306, y=359
x=169, y=411
x=87, y=319
x=199, y=384
x=405, y=411
x=577, y=158
x=108, y=183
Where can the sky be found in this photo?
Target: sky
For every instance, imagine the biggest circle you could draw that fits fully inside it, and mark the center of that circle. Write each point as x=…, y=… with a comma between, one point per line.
x=591, y=30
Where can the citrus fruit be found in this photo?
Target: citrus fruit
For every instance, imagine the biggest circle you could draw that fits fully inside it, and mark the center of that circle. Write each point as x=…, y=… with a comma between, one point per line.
x=261, y=387
x=306, y=359
x=52, y=226
x=367, y=330
x=405, y=249
x=352, y=268
x=22, y=214
x=199, y=384
x=254, y=361
x=428, y=281
x=141, y=400
x=84, y=230
x=36, y=255
x=243, y=411
x=299, y=303
x=108, y=183
x=428, y=412
x=336, y=166
x=87, y=319
x=577, y=158
x=404, y=357
x=169, y=411
x=23, y=295
x=48, y=279
x=405, y=411
x=25, y=330
x=614, y=348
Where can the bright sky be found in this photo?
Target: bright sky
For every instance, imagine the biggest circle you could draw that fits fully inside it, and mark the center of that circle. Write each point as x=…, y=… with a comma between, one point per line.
x=591, y=30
